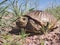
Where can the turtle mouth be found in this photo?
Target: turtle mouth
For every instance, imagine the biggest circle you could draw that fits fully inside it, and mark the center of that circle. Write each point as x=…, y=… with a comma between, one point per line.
x=21, y=23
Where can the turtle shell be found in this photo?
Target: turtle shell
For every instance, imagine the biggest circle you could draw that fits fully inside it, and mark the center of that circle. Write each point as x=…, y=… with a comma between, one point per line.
x=42, y=17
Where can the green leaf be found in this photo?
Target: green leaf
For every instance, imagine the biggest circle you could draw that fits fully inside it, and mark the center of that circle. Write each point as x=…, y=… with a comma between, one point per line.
x=3, y=9
x=31, y=9
x=3, y=2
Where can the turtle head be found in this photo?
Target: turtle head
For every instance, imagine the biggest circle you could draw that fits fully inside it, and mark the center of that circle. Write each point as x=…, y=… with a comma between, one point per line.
x=22, y=21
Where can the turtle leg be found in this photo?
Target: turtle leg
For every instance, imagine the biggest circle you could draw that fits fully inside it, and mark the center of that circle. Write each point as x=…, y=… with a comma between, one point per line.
x=35, y=27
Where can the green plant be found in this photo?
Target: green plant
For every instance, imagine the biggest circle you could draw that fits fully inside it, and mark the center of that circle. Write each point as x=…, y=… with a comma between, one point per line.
x=3, y=11
x=23, y=33
x=46, y=28
x=15, y=8
x=54, y=11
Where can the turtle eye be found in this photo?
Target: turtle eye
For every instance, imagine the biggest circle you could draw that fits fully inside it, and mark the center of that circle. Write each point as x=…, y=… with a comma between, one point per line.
x=24, y=18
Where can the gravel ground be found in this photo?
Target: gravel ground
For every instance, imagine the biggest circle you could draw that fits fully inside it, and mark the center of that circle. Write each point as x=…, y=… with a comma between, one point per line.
x=52, y=38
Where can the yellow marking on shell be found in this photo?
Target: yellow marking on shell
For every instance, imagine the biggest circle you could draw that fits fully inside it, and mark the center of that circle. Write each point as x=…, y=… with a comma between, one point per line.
x=50, y=26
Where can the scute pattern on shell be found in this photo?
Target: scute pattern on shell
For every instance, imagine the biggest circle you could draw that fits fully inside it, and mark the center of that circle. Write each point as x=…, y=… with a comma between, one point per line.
x=42, y=17
x=33, y=26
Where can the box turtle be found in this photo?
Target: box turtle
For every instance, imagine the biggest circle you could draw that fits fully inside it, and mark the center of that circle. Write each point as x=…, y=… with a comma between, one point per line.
x=34, y=20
